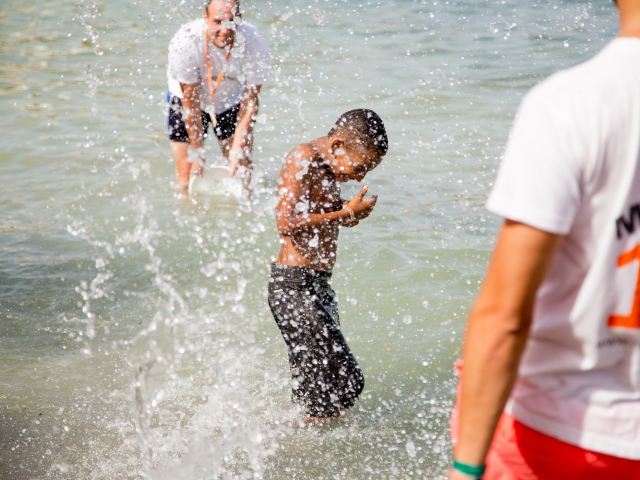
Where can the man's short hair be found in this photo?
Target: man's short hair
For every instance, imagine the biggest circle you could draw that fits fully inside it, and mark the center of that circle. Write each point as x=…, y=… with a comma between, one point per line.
x=208, y=2
x=362, y=127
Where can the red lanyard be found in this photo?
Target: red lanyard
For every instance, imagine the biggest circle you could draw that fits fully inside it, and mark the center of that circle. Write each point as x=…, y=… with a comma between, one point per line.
x=213, y=89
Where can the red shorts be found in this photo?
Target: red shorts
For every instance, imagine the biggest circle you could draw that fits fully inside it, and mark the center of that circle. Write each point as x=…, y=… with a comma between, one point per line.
x=519, y=452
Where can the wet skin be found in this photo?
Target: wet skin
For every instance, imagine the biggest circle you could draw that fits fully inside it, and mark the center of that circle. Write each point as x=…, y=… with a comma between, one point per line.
x=310, y=210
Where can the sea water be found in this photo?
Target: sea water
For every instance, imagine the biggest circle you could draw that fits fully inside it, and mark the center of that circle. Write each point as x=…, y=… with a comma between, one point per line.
x=135, y=336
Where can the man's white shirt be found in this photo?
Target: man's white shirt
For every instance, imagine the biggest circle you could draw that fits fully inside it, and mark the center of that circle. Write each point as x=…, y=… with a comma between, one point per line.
x=249, y=63
x=572, y=167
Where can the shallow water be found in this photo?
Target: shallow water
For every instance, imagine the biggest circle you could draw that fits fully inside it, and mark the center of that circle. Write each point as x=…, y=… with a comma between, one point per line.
x=135, y=336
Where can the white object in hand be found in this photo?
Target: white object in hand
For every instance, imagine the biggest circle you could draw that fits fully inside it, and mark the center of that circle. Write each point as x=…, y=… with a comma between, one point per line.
x=216, y=181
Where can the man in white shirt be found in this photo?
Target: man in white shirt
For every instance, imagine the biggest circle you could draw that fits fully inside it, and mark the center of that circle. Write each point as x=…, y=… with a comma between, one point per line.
x=217, y=65
x=551, y=380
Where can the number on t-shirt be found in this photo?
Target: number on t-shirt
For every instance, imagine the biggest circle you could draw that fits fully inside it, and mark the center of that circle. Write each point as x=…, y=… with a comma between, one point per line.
x=633, y=319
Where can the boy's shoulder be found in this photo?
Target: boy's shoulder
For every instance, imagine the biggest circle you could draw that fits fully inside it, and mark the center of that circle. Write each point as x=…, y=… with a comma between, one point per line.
x=301, y=161
x=304, y=151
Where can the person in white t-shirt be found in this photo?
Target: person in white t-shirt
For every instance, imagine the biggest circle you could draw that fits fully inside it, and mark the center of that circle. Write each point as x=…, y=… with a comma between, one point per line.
x=550, y=379
x=217, y=65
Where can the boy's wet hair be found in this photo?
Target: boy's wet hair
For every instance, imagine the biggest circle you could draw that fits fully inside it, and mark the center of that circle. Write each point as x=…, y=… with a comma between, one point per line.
x=362, y=127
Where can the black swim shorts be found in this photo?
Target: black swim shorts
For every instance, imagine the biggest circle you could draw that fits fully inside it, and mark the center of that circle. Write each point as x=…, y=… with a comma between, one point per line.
x=325, y=376
x=177, y=130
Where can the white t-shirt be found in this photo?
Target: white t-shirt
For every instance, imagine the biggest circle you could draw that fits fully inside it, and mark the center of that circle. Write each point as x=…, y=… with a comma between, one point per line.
x=572, y=167
x=249, y=63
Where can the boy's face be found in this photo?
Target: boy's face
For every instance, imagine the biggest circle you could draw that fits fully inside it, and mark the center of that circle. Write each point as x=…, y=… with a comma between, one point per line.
x=354, y=163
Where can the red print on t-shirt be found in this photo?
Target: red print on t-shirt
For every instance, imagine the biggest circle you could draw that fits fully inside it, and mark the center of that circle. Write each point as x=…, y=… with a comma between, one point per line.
x=633, y=319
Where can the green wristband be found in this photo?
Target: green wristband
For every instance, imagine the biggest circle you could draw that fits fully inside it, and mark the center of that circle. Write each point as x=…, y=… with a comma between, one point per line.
x=471, y=470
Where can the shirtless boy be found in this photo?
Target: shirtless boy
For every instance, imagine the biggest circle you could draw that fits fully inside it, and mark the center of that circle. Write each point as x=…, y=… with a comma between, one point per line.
x=325, y=376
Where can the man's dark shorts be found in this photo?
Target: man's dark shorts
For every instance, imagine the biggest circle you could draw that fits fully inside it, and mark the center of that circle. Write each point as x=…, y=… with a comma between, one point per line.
x=325, y=376
x=177, y=130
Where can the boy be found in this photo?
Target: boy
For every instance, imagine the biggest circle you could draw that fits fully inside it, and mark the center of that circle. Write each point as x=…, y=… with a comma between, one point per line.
x=325, y=375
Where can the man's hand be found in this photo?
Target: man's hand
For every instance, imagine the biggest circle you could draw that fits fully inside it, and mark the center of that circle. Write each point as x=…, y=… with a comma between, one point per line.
x=362, y=208
x=197, y=167
x=239, y=159
x=197, y=160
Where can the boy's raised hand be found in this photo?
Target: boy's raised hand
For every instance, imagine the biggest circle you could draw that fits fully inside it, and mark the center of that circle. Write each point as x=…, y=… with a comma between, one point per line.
x=362, y=208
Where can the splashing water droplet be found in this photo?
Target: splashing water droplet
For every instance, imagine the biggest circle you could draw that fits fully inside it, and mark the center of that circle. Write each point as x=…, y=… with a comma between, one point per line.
x=411, y=448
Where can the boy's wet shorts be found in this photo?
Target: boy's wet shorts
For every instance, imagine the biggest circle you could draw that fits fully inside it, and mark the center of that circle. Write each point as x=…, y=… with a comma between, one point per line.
x=177, y=131
x=325, y=376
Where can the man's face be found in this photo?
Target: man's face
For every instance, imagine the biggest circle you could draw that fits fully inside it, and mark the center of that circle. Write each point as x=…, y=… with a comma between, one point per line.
x=221, y=18
x=356, y=162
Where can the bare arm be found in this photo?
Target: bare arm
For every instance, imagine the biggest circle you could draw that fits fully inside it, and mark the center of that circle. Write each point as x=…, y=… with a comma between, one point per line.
x=497, y=330
x=240, y=151
x=293, y=181
x=193, y=121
